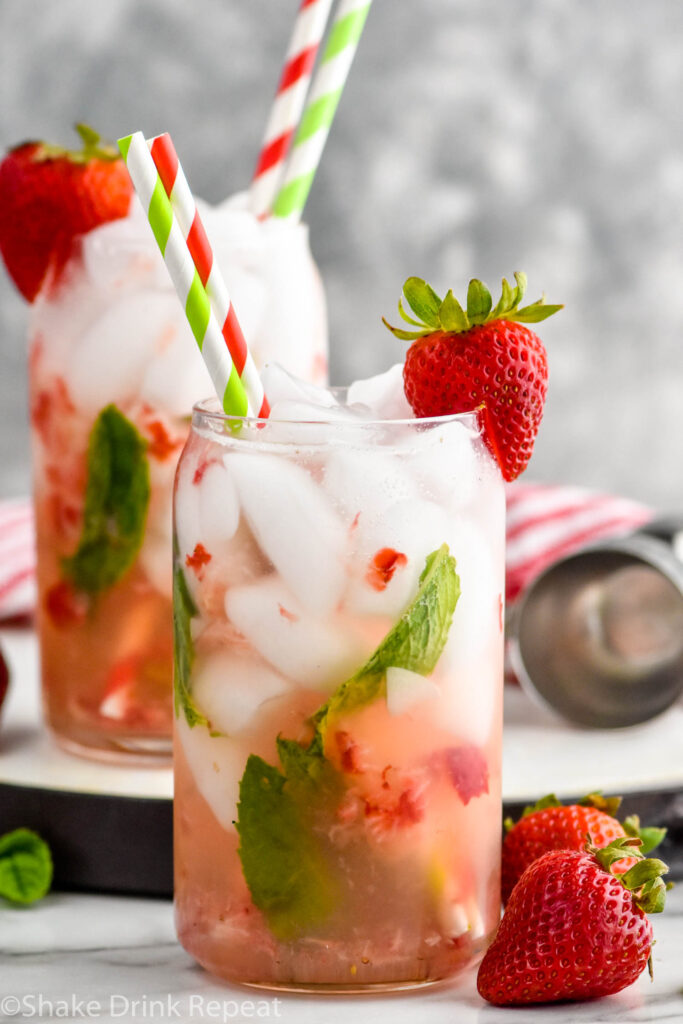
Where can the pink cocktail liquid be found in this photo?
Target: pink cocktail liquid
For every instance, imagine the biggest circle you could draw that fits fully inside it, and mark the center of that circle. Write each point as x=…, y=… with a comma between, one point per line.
x=299, y=547
x=111, y=333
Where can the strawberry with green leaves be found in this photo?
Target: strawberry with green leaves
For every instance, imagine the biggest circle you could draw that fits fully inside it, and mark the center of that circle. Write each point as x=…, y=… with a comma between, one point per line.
x=550, y=825
x=481, y=357
x=49, y=196
x=573, y=929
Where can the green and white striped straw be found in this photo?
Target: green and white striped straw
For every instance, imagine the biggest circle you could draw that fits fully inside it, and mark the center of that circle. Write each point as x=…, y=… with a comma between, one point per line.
x=323, y=100
x=184, y=274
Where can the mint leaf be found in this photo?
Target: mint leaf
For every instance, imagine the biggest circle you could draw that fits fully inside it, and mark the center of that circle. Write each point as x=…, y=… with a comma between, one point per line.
x=25, y=866
x=184, y=610
x=116, y=500
x=284, y=864
x=281, y=814
x=415, y=642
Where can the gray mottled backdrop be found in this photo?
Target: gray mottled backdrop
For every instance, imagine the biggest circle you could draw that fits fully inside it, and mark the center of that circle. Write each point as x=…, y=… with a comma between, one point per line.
x=475, y=137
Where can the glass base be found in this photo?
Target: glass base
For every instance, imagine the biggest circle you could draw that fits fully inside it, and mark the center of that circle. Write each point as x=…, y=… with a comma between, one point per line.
x=378, y=987
x=125, y=750
x=407, y=976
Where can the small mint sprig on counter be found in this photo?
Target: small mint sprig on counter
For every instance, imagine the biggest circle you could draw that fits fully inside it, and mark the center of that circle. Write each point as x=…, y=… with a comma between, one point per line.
x=115, y=508
x=282, y=852
x=25, y=866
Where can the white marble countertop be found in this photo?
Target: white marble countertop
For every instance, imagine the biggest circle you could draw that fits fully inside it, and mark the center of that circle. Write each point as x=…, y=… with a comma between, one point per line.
x=112, y=958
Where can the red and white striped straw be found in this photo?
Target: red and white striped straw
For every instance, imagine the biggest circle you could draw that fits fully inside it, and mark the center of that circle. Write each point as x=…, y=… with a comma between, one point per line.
x=184, y=273
x=288, y=105
x=187, y=217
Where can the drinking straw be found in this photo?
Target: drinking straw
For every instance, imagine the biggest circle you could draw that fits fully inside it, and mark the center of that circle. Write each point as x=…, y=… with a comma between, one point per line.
x=185, y=276
x=185, y=209
x=321, y=106
x=309, y=27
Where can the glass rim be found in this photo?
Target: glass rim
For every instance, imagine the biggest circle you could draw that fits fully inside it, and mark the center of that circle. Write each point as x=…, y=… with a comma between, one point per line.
x=208, y=410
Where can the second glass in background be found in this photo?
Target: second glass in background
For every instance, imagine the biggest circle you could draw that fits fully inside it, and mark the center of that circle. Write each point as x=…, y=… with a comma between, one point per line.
x=114, y=372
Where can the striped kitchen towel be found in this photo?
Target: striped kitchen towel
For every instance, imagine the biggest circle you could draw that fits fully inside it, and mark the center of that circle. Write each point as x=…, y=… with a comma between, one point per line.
x=544, y=522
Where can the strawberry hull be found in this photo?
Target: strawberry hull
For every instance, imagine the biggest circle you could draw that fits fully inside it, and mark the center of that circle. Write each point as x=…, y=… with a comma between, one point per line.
x=337, y=744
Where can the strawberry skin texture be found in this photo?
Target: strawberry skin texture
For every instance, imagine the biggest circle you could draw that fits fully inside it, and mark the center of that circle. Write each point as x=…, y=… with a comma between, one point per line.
x=46, y=203
x=553, y=828
x=570, y=931
x=501, y=366
x=4, y=679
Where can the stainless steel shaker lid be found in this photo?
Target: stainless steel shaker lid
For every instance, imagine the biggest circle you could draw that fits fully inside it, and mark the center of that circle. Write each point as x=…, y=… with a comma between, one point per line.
x=598, y=637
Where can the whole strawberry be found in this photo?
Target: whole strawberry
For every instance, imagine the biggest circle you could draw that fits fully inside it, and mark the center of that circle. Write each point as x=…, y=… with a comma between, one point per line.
x=483, y=358
x=572, y=929
x=4, y=679
x=48, y=196
x=549, y=825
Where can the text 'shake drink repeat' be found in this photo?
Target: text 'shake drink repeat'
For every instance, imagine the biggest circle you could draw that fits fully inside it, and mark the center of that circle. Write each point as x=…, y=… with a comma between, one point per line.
x=114, y=373
x=338, y=599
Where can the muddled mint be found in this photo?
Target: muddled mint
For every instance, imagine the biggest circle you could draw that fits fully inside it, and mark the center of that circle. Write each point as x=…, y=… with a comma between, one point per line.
x=283, y=855
x=284, y=862
x=115, y=508
x=25, y=866
x=184, y=610
x=415, y=643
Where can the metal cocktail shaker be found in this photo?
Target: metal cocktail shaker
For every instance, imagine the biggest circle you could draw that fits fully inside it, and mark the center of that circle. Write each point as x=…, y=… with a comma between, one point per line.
x=598, y=636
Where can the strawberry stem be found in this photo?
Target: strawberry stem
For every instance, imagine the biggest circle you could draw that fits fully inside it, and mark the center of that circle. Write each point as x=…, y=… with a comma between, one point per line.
x=436, y=314
x=93, y=149
x=643, y=879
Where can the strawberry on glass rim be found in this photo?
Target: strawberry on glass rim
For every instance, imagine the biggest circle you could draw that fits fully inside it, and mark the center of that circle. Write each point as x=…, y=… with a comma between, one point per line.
x=481, y=358
x=49, y=195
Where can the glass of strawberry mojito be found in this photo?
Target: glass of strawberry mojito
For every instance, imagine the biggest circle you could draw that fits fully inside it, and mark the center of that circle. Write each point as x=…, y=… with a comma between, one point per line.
x=338, y=602
x=114, y=372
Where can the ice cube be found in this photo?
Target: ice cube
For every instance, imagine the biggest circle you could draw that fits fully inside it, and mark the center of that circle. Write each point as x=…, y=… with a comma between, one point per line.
x=405, y=690
x=123, y=252
x=187, y=518
x=383, y=394
x=296, y=307
x=313, y=651
x=445, y=459
x=230, y=689
x=217, y=765
x=472, y=657
x=366, y=481
x=482, y=587
x=303, y=423
x=207, y=508
x=110, y=360
x=390, y=549
x=281, y=386
x=274, y=284
x=176, y=376
x=295, y=526
x=219, y=510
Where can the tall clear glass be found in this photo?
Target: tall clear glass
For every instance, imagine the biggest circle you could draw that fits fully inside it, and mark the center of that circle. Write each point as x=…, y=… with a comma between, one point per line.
x=114, y=372
x=338, y=596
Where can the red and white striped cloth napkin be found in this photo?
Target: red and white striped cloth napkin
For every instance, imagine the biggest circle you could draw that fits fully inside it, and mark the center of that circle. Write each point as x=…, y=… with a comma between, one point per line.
x=17, y=559
x=544, y=523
